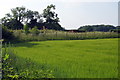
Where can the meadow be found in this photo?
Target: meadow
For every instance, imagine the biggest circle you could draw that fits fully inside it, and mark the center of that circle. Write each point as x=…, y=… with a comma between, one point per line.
x=36, y=46
x=97, y=58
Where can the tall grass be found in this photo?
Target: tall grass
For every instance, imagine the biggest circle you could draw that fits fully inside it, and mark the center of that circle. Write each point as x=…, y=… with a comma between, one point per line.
x=61, y=35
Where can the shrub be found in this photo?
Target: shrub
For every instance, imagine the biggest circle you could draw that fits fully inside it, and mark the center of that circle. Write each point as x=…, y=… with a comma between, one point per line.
x=7, y=35
x=26, y=29
x=35, y=31
x=115, y=30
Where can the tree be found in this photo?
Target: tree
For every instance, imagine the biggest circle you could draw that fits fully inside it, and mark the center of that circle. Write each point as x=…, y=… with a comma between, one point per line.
x=117, y=27
x=51, y=18
x=32, y=23
x=5, y=19
x=30, y=15
x=49, y=14
x=18, y=16
x=18, y=13
x=34, y=18
x=103, y=28
x=21, y=15
x=14, y=20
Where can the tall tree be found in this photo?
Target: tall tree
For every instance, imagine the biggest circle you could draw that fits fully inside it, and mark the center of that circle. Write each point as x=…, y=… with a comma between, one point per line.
x=18, y=13
x=49, y=14
x=14, y=20
x=51, y=18
x=28, y=15
x=5, y=19
x=21, y=15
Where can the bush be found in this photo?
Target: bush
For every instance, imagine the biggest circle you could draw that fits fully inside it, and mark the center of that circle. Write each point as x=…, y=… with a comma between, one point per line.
x=115, y=30
x=35, y=31
x=26, y=29
x=7, y=35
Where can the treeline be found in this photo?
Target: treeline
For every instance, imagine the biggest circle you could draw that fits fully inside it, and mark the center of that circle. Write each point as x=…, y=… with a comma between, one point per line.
x=21, y=16
x=102, y=28
x=48, y=19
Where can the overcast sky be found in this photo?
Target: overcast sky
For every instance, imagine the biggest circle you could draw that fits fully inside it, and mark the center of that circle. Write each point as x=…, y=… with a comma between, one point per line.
x=72, y=13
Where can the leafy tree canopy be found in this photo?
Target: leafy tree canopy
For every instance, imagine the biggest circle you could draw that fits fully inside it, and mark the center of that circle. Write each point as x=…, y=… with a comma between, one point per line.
x=20, y=16
x=102, y=27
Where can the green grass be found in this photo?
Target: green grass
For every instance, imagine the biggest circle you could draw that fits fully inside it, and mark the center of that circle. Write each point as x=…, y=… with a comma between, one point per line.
x=15, y=67
x=96, y=58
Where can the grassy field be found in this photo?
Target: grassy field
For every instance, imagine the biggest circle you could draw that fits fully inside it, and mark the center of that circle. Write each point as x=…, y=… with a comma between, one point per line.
x=96, y=58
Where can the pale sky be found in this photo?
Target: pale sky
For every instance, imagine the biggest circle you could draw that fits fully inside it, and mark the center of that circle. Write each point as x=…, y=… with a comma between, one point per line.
x=72, y=13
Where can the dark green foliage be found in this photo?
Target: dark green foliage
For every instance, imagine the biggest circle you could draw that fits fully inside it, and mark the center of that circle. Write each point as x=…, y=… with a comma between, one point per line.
x=49, y=14
x=118, y=27
x=40, y=25
x=103, y=28
x=51, y=18
x=54, y=26
x=7, y=35
x=14, y=24
x=115, y=30
x=15, y=19
x=20, y=15
x=32, y=23
x=81, y=30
